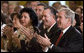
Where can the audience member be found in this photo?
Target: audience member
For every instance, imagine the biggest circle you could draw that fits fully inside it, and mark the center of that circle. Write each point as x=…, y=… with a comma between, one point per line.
x=33, y=4
x=39, y=10
x=56, y=5
x=4, y=7
x=69, y=37
x=18, y=8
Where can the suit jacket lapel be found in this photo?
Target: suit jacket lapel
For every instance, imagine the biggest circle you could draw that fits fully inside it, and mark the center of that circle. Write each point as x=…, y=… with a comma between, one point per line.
x=52, y=31
x=65, y=36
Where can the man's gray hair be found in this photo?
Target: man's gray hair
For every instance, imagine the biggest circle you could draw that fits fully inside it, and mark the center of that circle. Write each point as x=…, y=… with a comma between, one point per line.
x=68, y=13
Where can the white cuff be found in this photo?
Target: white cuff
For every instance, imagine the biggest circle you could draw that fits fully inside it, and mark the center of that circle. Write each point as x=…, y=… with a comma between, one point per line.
x=51, y=46
x=46, y=49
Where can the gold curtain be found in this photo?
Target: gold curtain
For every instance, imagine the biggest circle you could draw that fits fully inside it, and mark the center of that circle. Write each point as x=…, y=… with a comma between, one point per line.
x=74, y=4
x=22, y=2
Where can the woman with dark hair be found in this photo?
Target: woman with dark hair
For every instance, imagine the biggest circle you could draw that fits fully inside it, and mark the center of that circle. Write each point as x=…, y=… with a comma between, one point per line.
x=32, y=16
x=25, y=29
x=26, y=26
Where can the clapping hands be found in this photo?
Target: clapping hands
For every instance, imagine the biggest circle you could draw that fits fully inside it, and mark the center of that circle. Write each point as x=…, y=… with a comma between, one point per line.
x=8, y=31
x=43, y=41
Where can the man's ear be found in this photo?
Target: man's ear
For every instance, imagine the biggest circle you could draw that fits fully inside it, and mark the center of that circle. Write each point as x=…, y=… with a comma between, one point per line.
x=53, y=16
x=69, y=19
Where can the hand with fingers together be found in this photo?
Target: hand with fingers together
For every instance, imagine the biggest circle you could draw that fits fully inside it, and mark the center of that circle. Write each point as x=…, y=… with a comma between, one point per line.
x=43, y=41
x=27, y=32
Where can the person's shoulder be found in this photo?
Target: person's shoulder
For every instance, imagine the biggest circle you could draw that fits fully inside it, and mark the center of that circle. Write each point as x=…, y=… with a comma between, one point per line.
x=75, y=33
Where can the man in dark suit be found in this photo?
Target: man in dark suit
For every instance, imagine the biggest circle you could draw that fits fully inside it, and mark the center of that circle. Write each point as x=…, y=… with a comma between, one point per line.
x=70, y=40
x=39, y=10
x=50, y=26
x=50, y=22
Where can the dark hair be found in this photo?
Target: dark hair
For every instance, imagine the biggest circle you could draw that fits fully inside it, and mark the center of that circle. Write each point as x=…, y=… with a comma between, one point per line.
x=77, y=19
x=32, y=15
x=42, y=4
x=53, y=10
x=55, y=3
x=13, y=14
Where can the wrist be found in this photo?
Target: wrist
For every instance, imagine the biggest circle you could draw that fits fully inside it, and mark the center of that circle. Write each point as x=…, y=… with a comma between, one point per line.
x=51, y=46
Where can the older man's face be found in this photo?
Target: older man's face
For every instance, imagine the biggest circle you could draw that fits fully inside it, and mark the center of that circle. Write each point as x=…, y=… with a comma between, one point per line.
x=62, y=20
x=47, y=18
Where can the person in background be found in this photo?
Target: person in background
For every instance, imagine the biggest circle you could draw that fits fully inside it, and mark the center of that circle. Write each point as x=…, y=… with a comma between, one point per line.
x=9, y=39
x=81, y=16
x=4, y=11
x=27, y=5
x=72, y=5
x=81, y=25
x=11, y=8
x=18, y=8
x=79, y=10
x=10, y=11
x=56, y=5
x=4, y=7
x=39, y=11
x=33, y=4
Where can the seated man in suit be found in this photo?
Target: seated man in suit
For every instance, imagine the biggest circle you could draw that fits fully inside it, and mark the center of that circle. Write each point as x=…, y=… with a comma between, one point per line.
x=50, y=24
x=70, y=40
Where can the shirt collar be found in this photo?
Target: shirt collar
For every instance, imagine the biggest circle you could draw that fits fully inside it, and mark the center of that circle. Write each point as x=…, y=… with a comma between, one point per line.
x=65, y=29
x=40, y=21
x=50, y=27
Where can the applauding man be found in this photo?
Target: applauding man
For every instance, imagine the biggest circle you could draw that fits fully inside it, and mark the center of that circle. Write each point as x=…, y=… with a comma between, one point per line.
x=70, y=40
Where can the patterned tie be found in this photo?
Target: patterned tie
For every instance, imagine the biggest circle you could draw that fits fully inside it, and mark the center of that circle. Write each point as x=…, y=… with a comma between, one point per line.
x=59, y=38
